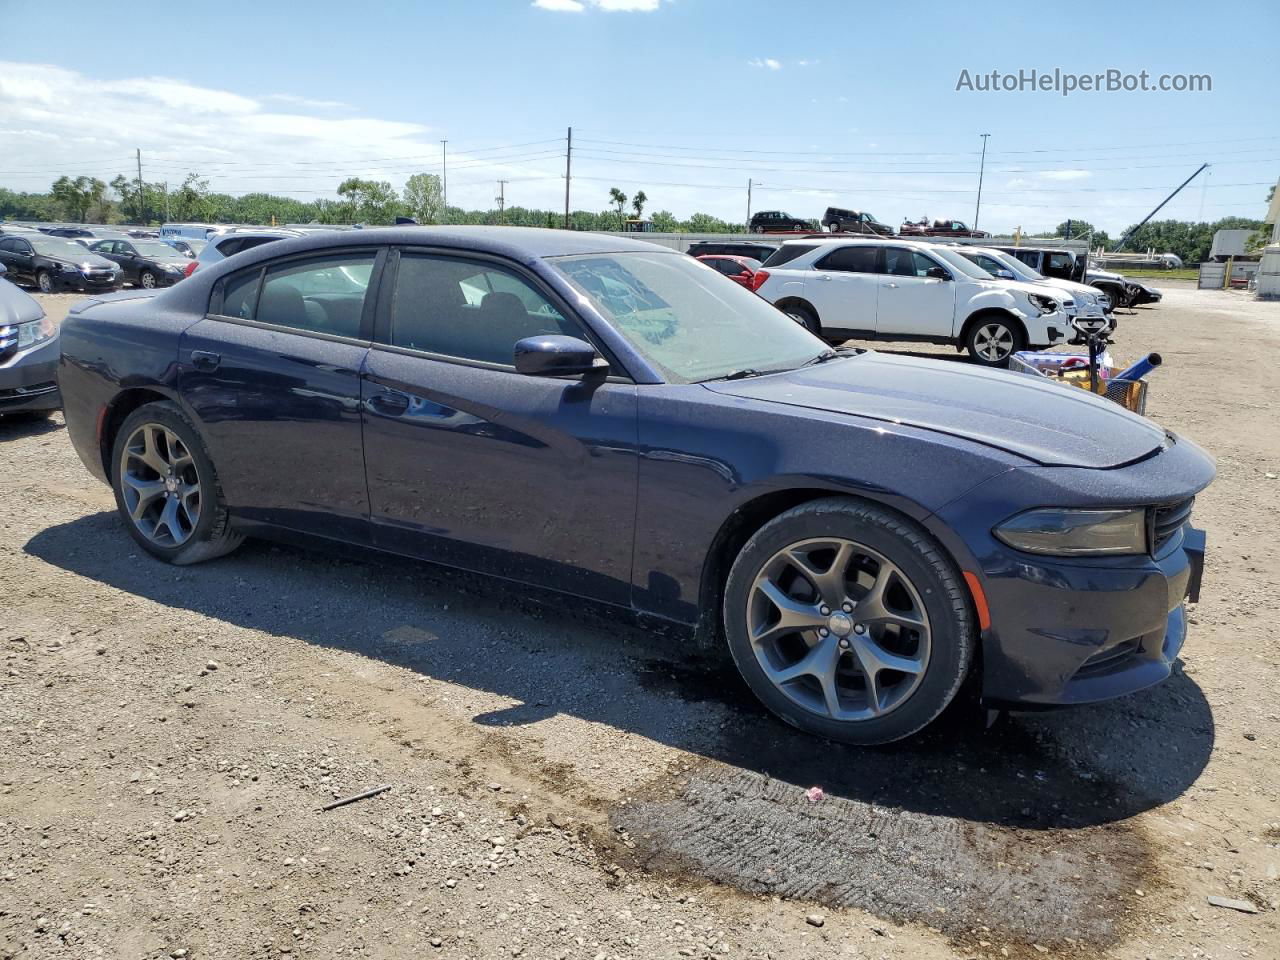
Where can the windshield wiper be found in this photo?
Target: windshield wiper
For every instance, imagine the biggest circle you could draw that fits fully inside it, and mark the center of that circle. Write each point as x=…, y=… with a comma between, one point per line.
x=823, y=357
x=742, y=374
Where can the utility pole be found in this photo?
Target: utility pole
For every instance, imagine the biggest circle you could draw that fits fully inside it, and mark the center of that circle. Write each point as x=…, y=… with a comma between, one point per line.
x=568, y=161
x=748, y=203
x=982, y=166
x=502, y=200
x=139, y=152
x=166, y=201
x=444, y=179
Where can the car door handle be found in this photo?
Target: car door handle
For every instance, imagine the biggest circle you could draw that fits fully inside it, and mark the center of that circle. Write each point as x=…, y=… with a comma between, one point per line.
x=891, y=286
x=204, y=360
x=824, y=276
x=391, y=404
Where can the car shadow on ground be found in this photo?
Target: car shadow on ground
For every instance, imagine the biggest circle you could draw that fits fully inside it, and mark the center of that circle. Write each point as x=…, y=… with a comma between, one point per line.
x=16, y=426
x=1069, y=769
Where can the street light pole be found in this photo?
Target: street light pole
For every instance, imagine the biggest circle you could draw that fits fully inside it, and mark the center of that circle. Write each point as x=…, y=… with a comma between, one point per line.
x=748, y=203
x=444, y=179
x=982, y=166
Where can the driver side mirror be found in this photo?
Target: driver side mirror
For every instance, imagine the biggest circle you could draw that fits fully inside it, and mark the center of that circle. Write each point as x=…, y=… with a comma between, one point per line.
x=1004, y=274
x=555, y=355
x=937, y=273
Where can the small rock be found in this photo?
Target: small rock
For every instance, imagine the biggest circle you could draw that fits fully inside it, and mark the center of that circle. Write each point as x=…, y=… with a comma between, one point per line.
x=436, y=942
x=495, y=786
x=1244, y=906
x=1038, y=948
x=181, y=815
x=815, y=919
x=1251, y=736
x=211, y=665
x=1272, y=476
x=100, y=651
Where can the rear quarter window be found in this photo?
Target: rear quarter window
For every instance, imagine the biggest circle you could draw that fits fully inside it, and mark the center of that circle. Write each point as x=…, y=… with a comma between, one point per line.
x=789, y=252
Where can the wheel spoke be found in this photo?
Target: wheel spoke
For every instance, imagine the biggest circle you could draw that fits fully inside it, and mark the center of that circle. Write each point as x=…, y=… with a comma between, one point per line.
x=169, y=520
x=873, y=608
x=150, y=454
x=830, y=583
x=146, y=492
x=793, y=614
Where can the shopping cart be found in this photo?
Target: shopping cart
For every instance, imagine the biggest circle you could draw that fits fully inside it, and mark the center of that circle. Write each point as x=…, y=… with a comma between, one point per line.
x=1130, y=394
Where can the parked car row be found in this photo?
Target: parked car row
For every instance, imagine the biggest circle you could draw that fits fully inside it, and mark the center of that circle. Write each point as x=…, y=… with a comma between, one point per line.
x=841, y=220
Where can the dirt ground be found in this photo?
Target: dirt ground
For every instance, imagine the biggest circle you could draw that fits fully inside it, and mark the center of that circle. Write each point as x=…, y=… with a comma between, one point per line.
x=561, y=786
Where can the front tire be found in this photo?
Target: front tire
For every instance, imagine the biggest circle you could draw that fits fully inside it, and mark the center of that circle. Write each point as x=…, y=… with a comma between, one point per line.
x=44, y=280
x=166, y=487
x=147, y=280
x=992, y=340
x=896, y=640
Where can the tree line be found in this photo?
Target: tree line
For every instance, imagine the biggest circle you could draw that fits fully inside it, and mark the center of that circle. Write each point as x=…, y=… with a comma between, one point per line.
x=1189, y=240
x=373, y=202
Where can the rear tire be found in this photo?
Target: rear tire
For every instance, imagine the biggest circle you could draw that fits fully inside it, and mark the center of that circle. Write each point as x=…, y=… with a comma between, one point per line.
x=166, y=487
x=805, y=317
x=899, y=632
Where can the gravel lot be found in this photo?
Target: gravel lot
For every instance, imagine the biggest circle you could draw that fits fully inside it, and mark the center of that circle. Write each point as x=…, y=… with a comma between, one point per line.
x=565, y=787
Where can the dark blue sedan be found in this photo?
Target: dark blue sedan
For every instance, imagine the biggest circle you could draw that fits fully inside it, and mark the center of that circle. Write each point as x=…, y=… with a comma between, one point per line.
x=614, y=421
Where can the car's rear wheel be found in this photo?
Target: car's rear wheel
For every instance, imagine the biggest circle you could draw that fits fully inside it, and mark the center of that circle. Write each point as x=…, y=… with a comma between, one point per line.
x=757, y=229
x=147, y=279
x=167, y=489
x=993, y=340
x=44, y=280
x=804, y=316
x=848, y=621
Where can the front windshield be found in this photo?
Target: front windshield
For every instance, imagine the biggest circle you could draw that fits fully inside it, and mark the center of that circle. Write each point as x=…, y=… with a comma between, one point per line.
x=154, y=249
x=689, y=323
x=57, y=247
x=1020, y=269
x=961, y=263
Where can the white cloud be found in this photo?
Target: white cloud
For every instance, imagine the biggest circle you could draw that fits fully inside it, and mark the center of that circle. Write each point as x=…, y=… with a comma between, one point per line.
x=807, y=63
x=306, y=101
x=1064, y=174
x=609, y=6
x=767, y=62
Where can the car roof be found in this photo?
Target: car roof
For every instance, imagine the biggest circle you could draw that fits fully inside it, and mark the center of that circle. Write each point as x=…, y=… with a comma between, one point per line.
x=518, y=243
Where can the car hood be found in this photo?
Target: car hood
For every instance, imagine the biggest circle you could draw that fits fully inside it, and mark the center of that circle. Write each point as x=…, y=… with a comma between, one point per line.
x=17, y=306
x=88, y=260
x=1023, y=414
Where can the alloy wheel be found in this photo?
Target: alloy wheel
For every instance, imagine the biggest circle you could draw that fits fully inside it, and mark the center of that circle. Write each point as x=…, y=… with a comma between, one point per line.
x=838, y=628
x=160, y=485
x=148, y=280
x=993, y=342
x=45, y=282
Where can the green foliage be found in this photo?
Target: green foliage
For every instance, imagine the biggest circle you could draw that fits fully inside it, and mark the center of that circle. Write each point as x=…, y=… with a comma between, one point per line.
x=638, y=202
x=370, y=201
x=619, y=200
x=76, y=197
x=424, y=197
x=1190, y=241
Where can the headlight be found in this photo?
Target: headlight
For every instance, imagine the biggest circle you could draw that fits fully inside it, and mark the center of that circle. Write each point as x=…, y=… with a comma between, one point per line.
x=1043, y=304
x=37, y=331
x=1070, y=533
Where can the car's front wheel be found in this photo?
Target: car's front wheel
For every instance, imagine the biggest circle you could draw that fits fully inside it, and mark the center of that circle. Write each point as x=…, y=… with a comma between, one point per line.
x=848, y=621
x=166, y=488
x=44, y=280
x=993, y=340
x=147, y=279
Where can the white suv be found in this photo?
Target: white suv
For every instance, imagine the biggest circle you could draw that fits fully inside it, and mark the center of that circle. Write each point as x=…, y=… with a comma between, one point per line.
x=1090, y=301
x=896, y=290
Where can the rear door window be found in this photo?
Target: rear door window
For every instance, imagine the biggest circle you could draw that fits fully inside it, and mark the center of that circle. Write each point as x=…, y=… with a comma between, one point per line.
x=850, y=260
x=324, y=295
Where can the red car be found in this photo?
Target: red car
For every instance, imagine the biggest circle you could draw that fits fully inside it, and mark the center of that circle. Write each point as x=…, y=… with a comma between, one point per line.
x=741, y=270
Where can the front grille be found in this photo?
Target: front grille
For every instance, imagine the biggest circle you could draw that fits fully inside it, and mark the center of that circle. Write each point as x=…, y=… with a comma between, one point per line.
x=1164, y=522
x=8, y=342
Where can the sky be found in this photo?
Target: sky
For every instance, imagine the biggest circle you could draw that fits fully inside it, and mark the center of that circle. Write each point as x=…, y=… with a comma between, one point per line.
x=860, y=105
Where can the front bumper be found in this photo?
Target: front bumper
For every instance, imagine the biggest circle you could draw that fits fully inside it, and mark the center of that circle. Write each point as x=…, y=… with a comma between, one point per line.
x=1063, y=630
x=74, y=280
x=29, y=380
